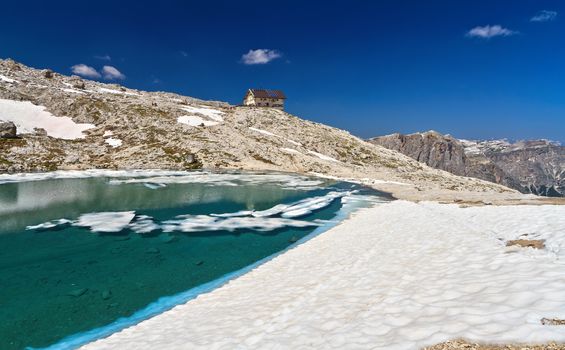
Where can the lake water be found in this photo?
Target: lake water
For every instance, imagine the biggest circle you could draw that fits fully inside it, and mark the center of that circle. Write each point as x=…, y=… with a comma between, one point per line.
x=81, y=250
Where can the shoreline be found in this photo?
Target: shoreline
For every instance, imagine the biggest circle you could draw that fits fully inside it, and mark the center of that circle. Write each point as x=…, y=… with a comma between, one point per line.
x=330, y=292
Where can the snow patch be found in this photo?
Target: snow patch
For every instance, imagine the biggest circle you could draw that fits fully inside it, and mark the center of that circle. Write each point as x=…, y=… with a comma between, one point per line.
x=209, y=112
x=118, y=92
x=108, y=133
x=193, y=120
x=106, y=221
x=323, y=156
x=73, y=91
x=113, y=142
x=28, y=116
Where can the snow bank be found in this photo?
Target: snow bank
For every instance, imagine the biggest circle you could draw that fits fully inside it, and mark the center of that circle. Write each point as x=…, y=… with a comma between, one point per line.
x=194, y=120
x=209, y=112
x=396, y=276
x=28, y=116
x=113, y=142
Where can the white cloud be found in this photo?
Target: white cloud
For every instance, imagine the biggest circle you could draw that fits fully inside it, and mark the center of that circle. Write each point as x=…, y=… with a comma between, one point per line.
x=111, y=73
x=544, y=16
x=184, y=53
x=103, y=57
x=85, y=71
x=490, y=32
x=260, y=56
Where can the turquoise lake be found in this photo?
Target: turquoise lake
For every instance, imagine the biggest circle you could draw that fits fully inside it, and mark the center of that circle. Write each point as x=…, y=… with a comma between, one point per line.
x=80, y=250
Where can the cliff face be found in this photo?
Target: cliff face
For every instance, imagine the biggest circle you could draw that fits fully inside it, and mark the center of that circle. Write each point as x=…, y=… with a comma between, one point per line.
x=536, y=167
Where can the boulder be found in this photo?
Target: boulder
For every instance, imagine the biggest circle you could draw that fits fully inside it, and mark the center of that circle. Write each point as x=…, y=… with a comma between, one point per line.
x=77, y=82
x=8, y=130
x=48, y=73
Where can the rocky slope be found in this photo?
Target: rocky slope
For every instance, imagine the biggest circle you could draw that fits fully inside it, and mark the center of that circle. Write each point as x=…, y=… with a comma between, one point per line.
x=110, y=126
x=536, y=167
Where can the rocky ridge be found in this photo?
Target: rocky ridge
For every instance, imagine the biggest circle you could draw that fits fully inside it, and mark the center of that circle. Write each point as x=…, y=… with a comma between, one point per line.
x=132, y=129
x=536, y=167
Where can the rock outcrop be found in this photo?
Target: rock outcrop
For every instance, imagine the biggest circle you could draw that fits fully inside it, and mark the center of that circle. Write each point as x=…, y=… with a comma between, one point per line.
x=8, y=130
x=536, y=167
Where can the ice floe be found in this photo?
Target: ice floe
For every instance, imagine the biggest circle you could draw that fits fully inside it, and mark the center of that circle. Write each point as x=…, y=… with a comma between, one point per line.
x=117, y=92
x=105, y=221
x=194, y=120
x=28, y=116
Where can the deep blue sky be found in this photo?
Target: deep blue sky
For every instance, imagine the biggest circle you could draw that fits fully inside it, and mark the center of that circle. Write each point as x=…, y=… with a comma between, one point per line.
x=371, y=67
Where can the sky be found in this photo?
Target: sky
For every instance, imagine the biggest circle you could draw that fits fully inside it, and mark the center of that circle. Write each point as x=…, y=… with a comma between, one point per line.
x=480, y=69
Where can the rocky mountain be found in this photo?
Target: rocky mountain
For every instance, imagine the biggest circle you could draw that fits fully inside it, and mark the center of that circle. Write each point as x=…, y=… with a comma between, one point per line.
x=70, y=123
x=536, y=167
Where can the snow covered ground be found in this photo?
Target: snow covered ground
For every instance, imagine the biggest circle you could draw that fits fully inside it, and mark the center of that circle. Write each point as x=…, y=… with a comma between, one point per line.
x=28, y=116
x=396, y=276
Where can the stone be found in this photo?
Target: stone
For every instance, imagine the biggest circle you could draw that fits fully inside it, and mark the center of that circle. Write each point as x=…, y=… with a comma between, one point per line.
x=77, y=82
x=40, y=131
x=191, y=159
x=77, y=292
x=552, y=322
x=48, y=73
x=8, y=130
x=293, y=239
x=527, y=243
x=106, y=294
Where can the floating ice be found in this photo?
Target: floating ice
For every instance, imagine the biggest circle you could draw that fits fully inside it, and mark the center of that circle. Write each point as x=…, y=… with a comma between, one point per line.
x=106, y=221
x=49, y=224
x=153, y=185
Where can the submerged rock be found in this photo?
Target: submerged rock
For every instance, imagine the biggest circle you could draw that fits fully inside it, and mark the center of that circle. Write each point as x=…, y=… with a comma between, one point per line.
x=152, y=250
x=77, y=292
x=106, y=294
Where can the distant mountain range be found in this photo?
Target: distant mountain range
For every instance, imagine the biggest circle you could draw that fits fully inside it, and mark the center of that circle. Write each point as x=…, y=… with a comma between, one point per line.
x=533, y=166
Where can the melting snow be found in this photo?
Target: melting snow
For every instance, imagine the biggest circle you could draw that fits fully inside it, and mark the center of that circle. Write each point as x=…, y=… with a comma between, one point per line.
x=28, y=116
x=209, y=112
x=194, y=120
